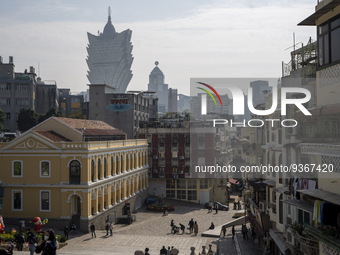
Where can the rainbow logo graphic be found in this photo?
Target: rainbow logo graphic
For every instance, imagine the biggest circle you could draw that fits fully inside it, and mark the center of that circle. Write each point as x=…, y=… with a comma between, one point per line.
x=204, y=97
x=209, y=93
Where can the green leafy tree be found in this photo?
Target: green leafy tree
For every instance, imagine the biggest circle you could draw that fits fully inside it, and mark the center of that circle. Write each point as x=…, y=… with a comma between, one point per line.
x=51, y=113
x=27, y=119
x=2, y=119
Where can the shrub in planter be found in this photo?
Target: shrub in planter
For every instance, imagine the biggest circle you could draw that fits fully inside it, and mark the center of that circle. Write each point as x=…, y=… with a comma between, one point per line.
x=7, y=237
x=62, y=239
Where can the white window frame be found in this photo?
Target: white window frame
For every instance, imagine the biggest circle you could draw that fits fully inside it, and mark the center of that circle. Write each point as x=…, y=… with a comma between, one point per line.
x=22, y=199
x=22, y=168
x=49, y=169
x=40, y=200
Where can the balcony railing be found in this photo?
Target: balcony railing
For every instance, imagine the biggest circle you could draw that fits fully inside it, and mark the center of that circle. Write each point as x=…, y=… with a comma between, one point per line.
x=320, y=149
x=306, y=244
x=325, y=235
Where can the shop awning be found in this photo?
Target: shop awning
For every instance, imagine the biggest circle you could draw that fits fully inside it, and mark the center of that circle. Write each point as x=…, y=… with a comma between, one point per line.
x=257, y=185
x=322, y=195
x=233, y=181
x=304, y=205
x=278, y=241
x=282, y=190
x=269, y=182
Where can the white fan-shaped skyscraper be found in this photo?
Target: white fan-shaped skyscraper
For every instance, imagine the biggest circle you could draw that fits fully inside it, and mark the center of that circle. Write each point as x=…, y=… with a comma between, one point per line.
x=109, y=57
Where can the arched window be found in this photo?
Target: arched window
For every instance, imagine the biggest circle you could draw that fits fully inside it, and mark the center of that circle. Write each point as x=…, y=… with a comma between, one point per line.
x=112, y=169
x=99, y=168
x=121, y=163
x=105, y=168
x=74, y=172
x=92, y=170
x=117, y=165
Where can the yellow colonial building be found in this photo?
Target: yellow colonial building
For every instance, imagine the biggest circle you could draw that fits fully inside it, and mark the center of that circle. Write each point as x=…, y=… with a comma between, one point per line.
x=72, y=170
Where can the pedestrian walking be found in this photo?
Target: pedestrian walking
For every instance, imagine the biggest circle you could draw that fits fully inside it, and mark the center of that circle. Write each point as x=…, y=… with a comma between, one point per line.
x=233, y=231
x=182, y=227
x=111, y=228
x=31, y=240
x=107, y=228
x=73, y=228
x=216, y=208
x=195, y=228
x=223, y=230
x=66, y=231
x=212, y=226
x=93, y=230
x=238, y=205
x=246, y=232
x=172, y=224
x=146, y=251
x=165, y=211
x=19, y=239
x=210, y=207
x=191, y=225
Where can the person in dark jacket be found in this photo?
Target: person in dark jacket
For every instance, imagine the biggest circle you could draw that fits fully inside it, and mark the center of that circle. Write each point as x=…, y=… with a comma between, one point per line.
x=93, y=230
x=191, y=225
x=66, y=231
x=49, y=245
x=19, y=239
x=163, y=251
x=31, y=240
x=107, y=228
x=182, y=227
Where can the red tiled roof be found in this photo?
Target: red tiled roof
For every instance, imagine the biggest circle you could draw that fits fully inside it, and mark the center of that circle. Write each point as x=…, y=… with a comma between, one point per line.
x=52, y=136
x=80, y=123
x=91, y=127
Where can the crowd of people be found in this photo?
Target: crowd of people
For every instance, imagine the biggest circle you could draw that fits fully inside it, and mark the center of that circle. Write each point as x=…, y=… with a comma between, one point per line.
x=162, y=251
x=46, y=246
x=192, y=227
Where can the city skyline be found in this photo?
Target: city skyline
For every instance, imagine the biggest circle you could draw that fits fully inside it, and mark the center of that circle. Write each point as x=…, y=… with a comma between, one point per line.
x=194, y=39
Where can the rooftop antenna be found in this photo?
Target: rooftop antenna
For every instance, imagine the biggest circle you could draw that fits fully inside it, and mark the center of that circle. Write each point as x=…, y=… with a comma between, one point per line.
x=38, y=69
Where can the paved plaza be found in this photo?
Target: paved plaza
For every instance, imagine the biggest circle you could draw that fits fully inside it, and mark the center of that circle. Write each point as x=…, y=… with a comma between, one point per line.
x=152, y=230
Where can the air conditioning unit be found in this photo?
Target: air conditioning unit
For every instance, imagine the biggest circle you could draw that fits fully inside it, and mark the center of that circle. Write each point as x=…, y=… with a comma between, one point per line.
x=181, y=157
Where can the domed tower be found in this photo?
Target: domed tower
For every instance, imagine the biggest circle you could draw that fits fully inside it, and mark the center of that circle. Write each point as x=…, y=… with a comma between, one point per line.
x=109, y=57
x=156, y=84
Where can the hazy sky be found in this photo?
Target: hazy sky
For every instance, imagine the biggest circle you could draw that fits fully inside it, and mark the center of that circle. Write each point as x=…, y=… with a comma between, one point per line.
x=189, y=38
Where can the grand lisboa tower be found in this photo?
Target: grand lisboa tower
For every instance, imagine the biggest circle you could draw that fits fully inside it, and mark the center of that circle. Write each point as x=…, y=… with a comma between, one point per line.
x=109, y=57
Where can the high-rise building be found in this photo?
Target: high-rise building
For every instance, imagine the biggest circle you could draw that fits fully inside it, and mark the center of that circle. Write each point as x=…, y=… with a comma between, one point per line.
x=109, y=57
x=172, y=102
